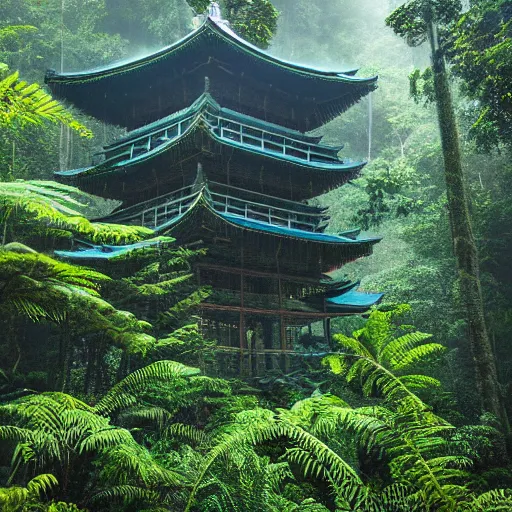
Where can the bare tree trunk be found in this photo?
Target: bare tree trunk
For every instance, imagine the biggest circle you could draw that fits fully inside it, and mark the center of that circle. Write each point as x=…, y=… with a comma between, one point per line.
x=464, y=245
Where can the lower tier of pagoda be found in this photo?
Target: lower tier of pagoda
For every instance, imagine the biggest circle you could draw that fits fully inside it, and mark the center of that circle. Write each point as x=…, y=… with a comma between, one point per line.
x=269, y=256
x=270, y=234
x=268, y=265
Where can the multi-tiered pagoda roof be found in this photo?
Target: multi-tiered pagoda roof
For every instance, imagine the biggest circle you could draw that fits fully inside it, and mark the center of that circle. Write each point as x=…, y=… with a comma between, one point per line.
x=218, y=156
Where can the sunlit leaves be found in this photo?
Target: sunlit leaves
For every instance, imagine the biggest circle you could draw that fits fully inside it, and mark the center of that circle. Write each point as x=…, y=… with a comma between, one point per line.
x=31, y=208
x=380, y=355
x=23, y=104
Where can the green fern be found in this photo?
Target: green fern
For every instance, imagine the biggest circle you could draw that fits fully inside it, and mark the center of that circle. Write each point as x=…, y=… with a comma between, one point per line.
x=381, y=360
x=491, y=501
x=124, y=394
x=258, y=426
x=415, y=443
x=15, y=499
x=38, y=286
x=24, y=103
x=31, y=208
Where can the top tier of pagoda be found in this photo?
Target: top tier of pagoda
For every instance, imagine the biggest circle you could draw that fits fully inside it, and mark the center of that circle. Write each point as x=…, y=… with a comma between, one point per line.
x=244, y=78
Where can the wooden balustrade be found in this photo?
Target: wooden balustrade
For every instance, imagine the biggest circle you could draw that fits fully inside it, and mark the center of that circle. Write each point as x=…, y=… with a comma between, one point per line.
x=228, y=129
x=164, y=208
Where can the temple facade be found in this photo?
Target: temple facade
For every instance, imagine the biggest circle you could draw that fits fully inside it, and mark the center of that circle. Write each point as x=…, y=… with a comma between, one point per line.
x=217, y=155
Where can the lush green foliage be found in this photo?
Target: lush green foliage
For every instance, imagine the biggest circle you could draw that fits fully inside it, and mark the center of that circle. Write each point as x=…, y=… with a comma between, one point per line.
x=481, y=53
x=254, y=20
x=103, y=404
x=380, y=357
x=39, y=209
x=411, y=19
x=25, y=103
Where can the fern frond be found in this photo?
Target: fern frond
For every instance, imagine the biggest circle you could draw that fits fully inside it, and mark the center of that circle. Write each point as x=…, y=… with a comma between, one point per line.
x=24, y=103
x=416, y=355
x=398, y=348
x=491, y=501
x=190, y=434
x=352, y=344
x=41, y=484
x=103, y=439
x=127, y=493
x=420, y=382
x=130, y=462
x=123, y=394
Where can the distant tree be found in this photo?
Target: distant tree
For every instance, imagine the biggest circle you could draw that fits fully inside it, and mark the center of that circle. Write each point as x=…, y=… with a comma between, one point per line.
x=480, y=51
x=255, y=20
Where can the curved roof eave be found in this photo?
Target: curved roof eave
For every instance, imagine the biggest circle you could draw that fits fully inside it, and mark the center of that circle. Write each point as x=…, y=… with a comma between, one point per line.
x=354, y=299
x=104, y=251
x=261, y=227
x=339, y=166
x=229, y=36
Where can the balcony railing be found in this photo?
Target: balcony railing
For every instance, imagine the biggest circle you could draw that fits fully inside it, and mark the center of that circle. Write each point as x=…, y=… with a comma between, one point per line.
x=269, y=142
x=158, y=211
x=227, y=129
x=272, y=215
x=129, y=149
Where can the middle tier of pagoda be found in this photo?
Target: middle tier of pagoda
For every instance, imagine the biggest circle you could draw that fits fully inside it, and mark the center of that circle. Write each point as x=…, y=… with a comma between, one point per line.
x=233, y=148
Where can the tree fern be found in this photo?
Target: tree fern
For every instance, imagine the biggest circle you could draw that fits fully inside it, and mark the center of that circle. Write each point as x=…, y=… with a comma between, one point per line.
x=15, y=498
x=380, y=359
x=414, y=443
x=51, y=432
x=497, y=500
x=124, y=394
x=39, y=286
x=28, y=208
x=130, y=462
x=314, y=456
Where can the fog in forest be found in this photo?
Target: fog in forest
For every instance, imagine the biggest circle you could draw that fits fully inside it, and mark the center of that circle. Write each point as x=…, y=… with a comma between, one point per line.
x=207, y=305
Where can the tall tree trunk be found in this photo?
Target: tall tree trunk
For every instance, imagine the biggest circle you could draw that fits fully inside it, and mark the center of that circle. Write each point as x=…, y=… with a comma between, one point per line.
x=464, y=245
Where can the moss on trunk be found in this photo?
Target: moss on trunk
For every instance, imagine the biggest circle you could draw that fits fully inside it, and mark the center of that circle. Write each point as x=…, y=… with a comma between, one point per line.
x=464, y=245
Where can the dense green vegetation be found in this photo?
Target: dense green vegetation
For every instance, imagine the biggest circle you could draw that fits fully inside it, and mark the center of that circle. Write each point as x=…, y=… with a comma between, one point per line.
x=110, y=398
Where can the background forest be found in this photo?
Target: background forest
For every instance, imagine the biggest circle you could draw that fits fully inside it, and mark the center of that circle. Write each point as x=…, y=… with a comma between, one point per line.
x=110, y=398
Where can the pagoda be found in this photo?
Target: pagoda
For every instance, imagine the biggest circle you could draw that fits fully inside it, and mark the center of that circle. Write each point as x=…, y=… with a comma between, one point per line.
x=217, y=156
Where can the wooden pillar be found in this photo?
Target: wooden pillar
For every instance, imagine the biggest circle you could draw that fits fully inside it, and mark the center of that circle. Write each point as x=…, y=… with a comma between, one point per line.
x=327, y=332
x=284, y=345
x=242, y=316
x=285, y=357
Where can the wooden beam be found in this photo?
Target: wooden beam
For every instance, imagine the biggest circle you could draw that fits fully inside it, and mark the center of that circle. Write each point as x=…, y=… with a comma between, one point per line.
x=256, y=273
x=273, y=312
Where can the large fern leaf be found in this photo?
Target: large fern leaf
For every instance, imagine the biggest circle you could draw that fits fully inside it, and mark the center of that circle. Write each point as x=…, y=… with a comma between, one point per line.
x=24, y=103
